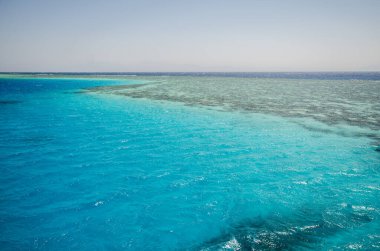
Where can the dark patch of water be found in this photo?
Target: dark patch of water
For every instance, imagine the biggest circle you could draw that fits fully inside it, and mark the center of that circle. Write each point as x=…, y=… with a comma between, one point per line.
x=9, y=102
x=305, y=229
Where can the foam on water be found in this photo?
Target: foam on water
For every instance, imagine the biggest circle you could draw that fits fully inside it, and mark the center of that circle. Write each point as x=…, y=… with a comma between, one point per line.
x=100, y=171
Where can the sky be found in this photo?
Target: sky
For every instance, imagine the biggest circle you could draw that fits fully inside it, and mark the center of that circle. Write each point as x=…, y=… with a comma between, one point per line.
x=189, y=35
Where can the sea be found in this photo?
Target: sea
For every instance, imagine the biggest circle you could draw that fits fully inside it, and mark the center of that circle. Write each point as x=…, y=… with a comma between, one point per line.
x=190, y=161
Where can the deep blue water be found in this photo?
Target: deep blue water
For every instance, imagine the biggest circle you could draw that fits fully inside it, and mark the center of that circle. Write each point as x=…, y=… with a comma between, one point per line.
x=88, y=171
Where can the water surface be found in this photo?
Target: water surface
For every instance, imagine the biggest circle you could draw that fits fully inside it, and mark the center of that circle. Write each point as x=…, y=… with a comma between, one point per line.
x=126, y=167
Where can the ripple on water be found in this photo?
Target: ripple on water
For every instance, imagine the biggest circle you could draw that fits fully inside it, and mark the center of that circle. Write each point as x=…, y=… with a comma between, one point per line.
x=108, y=172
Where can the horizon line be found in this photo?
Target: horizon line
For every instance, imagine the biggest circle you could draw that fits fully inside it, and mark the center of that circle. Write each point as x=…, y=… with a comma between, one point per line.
x=118, y=72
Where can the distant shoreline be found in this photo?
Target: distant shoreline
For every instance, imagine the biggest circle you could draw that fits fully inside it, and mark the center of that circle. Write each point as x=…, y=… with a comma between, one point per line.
x=368, y=75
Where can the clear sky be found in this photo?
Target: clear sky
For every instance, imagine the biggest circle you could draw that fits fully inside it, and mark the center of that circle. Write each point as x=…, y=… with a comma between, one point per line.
x=192, y=35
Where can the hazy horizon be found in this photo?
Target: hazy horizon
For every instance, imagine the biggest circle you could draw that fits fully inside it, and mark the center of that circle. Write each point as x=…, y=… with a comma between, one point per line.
x=127, y=72
x=196, y=36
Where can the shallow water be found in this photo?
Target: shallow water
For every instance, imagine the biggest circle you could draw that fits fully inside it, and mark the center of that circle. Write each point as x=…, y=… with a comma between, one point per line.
x=351, y=101
x=93, y=170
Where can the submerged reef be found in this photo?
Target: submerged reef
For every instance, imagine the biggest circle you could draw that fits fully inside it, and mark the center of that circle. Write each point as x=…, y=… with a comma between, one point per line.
x=306, y=229
x=332, y=102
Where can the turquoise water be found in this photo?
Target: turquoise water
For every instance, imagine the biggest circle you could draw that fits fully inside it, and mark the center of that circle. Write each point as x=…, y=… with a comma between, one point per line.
x=100, y=171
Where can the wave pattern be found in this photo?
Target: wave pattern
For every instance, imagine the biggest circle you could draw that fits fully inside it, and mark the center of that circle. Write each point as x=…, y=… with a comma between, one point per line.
x=95, y=171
